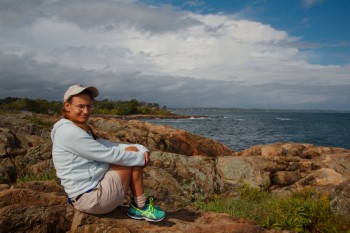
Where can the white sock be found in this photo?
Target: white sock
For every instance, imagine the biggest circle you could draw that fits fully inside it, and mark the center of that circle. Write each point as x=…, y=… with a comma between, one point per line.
x=140, y=201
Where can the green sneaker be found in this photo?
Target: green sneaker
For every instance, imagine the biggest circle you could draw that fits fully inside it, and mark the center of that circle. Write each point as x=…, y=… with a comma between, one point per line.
x=150, y=199
x=148, y=212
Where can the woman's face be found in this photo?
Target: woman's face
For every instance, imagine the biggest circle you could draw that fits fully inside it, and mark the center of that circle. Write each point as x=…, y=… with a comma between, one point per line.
x=79, y=108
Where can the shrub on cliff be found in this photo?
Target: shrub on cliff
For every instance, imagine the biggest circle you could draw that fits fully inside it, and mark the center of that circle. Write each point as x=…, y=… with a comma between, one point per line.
x=105, y=106
x=300, y=212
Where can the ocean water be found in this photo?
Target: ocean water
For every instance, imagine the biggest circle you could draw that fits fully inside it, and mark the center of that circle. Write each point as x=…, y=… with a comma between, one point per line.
x=241, y=129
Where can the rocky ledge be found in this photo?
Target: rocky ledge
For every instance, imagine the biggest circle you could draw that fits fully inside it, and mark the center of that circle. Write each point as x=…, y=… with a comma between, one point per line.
x=144, y=117
x=184, y=168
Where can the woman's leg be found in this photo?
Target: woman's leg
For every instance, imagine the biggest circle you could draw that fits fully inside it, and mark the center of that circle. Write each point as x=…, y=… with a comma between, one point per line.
x=124, y=174
x=136, y=181
x=131, y=176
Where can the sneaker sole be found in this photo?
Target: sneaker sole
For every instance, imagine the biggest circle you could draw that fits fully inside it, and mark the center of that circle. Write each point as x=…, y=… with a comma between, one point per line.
x=144, y=218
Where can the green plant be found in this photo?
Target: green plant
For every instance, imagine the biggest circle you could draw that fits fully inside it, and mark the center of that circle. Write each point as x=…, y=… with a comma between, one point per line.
x=38, y=121
x=296, y=217
x=43, y=177
x=306, y=211
x=133, y=106
x=252, y=194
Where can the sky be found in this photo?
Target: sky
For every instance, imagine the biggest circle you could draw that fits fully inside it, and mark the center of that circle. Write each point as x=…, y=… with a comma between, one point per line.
x=281, y=54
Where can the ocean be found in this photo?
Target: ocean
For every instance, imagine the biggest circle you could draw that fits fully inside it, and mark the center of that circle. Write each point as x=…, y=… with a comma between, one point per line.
x=240, y=129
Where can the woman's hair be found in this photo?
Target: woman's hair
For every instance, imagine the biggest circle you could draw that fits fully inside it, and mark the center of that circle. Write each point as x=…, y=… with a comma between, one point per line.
x=84, y=125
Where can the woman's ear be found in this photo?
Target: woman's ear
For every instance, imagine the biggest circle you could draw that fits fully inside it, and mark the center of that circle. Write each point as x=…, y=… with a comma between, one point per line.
x=67, y=106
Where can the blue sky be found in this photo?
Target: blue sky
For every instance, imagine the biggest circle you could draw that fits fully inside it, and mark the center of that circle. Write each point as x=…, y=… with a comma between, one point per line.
x=248, y=54
x=322, y=25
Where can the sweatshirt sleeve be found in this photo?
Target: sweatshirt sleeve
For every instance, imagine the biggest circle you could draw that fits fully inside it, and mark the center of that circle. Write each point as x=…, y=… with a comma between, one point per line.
x=79, y=142
x=108, y=143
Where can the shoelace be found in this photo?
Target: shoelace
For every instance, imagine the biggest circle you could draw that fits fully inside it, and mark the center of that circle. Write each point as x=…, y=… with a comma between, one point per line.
x=150, y=210
x=150, y=201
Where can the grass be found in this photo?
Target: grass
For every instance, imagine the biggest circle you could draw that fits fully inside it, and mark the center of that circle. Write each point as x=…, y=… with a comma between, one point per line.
x=30, y=178
x=39, y=121
x=300, y=212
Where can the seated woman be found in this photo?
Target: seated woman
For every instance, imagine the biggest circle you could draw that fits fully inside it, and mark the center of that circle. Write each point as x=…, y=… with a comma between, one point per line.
x=96, y=173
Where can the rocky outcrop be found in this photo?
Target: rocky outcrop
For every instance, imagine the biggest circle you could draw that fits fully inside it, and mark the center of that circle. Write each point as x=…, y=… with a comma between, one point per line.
x=42, y=207
x=181, y=220
x=35, y=207
x=158, y=137
x=290, y=167
x=184, y=168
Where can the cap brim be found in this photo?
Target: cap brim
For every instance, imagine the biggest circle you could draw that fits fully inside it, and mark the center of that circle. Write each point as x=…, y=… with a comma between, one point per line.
x=93, y=91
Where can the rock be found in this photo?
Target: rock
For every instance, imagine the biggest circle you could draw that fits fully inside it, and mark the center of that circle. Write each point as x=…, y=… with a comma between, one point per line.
x=341, y=198
x=293, y=167
x=184, y=168
x=7, y=142
x=180, y=179
x=8, y=172
x=284, y=178
x=28, y=210
x=41, y=207
x=181, y=220
x=158, y=137
x=4, y=186
x=248, y=169
x=321, y=177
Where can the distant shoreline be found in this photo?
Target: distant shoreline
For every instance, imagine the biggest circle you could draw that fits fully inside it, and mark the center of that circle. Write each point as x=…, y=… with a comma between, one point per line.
x=149, y=117
x=260, y=110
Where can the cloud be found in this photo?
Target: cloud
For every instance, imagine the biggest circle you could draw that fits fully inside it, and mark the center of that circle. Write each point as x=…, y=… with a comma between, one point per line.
x=194, y=3
x=23, y=75
x=160, y=54
x=310, y=3
x=110, y=15
x=17, y=13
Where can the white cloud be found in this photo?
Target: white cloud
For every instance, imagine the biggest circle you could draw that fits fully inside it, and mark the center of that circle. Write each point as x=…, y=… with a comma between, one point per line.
x=131, y=50
x=310, y=3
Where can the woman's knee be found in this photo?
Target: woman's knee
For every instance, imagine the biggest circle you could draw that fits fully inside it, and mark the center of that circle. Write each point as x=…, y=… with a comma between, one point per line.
x=132, y=148
x=124, y=173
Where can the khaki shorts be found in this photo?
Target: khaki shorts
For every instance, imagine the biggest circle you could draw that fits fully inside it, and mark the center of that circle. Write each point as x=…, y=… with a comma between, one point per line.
x=107, y=195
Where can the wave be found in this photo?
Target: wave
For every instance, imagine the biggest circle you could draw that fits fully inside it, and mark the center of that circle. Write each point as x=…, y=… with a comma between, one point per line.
x=199, y=118
x=283, y=119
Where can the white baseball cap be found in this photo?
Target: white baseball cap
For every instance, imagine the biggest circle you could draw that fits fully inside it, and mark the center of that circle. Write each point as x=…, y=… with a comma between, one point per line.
x=78, y=88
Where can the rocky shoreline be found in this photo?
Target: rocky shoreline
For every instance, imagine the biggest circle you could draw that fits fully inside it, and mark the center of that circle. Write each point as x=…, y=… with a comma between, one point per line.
x=147, y=117
x=184, y=168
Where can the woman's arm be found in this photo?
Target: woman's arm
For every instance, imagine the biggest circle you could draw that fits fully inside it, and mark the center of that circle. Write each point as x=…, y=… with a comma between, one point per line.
x=77, y=141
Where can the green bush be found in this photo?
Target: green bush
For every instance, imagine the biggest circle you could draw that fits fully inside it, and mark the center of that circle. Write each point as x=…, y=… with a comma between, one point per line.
x=40, y=121
x=133, y=106
x=43, y=177
x=300, y=212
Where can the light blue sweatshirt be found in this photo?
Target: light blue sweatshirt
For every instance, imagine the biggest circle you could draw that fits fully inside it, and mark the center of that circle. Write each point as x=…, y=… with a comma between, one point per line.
x=81, y=161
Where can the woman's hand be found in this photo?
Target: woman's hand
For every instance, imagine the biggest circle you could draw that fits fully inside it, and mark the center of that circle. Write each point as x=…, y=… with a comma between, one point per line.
x=146, y=154
x=147, y=158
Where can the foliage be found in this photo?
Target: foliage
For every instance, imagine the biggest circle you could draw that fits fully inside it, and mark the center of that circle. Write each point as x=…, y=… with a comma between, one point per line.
x=40, y=121
x=43, y=177
x=25, y=104
x=11, y=104
x=128, y=108
x=300, y=212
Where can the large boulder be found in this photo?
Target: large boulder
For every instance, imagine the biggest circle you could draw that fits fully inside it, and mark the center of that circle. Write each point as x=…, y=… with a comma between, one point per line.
x=180, y=179
x=158, y=137
x=35, y=207
x=291, y=167
x=42, y=207
x=7, y=142
x=181, y=220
